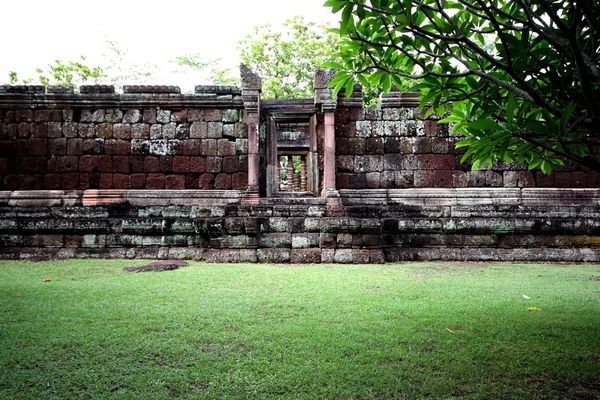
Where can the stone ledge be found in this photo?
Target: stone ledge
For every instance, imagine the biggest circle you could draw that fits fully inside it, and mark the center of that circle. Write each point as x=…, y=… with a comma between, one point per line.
x=472, y=196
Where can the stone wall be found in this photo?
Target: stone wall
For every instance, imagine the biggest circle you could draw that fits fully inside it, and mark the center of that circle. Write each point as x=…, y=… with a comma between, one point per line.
x=150, y=137
x=375, y=226
x=153, y=173
x=395, y=147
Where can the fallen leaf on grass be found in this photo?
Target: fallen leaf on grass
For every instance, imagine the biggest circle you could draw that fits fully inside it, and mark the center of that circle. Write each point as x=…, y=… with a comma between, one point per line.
x=47, y=280
x=533, y=309
x=19, y=294
x=450, y=330
x=526, y=297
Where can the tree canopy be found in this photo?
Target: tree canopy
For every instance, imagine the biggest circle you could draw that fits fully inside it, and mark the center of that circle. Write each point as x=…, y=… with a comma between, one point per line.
x=519, y=79
x=287, y=58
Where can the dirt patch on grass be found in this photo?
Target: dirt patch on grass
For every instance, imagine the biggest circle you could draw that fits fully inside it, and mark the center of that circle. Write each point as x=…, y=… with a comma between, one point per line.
x=157, y=266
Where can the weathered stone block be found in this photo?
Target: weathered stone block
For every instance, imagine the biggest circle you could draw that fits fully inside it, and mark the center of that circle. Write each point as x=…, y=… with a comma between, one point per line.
x=305, y=256
x=225, y=148
x=273, y=255
x=215, y=130
x=305, y=240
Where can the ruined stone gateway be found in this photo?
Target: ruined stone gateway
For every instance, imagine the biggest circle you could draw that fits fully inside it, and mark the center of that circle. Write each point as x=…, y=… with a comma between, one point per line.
x=221, y=176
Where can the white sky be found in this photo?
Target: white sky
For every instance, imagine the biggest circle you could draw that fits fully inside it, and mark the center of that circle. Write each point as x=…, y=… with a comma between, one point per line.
x=36, y=32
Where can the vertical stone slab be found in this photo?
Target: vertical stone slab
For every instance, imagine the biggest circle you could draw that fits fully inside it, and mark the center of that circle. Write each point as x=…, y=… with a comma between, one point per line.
x=251, y=88
x=324, y=99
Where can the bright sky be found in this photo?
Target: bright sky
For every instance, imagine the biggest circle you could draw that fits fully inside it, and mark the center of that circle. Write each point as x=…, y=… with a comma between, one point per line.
x=36, y=32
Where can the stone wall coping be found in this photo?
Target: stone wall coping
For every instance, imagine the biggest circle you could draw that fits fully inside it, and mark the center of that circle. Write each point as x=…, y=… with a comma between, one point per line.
x=95, y=197
x=27, y=100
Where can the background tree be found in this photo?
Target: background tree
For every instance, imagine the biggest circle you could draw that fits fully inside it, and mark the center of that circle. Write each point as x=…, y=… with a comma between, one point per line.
x=520, y=79
x=287, y=58
x=206, y=70
x=63, y=73
x=116, y=69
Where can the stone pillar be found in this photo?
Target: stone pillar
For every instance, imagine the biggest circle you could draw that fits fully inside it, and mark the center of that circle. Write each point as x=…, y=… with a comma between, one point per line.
x=251, y=88
x=327, y=104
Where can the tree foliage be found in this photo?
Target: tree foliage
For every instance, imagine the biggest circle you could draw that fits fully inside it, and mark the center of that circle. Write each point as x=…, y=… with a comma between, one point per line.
x=208, y=70
x=519, y=79
x=287, y=58
x=63, y=73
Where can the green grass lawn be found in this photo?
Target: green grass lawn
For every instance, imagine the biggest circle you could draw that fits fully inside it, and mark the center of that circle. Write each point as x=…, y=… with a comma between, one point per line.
x=84, y=329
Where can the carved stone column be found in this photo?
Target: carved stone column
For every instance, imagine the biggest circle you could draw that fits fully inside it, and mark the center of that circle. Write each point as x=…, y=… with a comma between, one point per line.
x=251, y=88
x=324, y=99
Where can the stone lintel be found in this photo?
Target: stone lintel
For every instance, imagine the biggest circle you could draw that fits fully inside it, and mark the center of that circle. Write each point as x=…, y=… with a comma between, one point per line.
x=396, y=99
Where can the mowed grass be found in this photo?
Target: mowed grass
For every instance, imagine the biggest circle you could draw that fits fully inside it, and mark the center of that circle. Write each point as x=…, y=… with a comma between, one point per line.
x=85, y=329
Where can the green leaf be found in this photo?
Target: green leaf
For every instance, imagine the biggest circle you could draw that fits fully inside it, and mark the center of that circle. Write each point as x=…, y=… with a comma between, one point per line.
x=484, y=124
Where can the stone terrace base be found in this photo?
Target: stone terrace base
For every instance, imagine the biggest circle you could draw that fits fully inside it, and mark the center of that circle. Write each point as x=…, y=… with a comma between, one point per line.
x=365, y=226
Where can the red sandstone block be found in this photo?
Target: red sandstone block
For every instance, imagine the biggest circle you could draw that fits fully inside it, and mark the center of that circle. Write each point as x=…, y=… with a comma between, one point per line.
x=87, y=163
x=191, y=147
x=151, y=164
x=26, y=165
x=459, y=179
x=52, y=181
x=578, y=179
x=137, y=181
x=70, y=181
x=422, y=145
x=231, y=164
x=69, y=163
x=206, y=181
x=121, y=164
x=37, y=147
x=136, y=163
x=41, y=164
x=343, y=181
x=39, y=130
x=225, y=147
x=181, y=164
x=84, y=181
x=593, y=179
x=104, y=131
x=179, y=116
x=53, y=164
x=175, y=182
x=57, y=147
x=104, y=163
x=443, y=178
x=11, y=182
x=425, y=178
x=123, y=147
x=69, y=129
x=155, y=181
x=197, y=164
x=23, y=130
x=214, y=164
x=75, y=147
x=526, y=179
x=120, y=181
x=26, y=182
x=239, y=181
x=165, y=163
x=106, y=181
x=42, y=115
x=54, y=129
x=122, y=131
x=562, y=179
x=191, y=181
x=543, y=180
x=223, y=182
x=213, y=115
x=110, y=146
